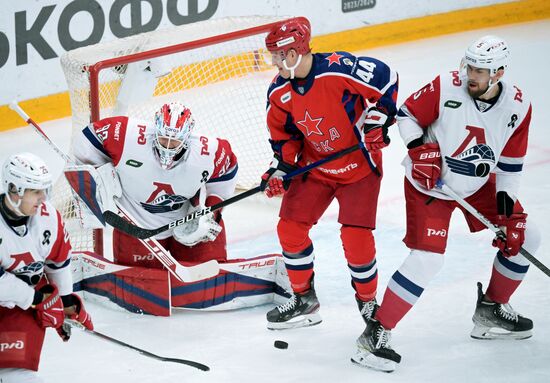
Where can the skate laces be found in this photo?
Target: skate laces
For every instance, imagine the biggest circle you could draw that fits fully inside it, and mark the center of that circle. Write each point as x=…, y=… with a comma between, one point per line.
x=507, y=312
x=289, y=305
x=383, y=337
x=368, y=308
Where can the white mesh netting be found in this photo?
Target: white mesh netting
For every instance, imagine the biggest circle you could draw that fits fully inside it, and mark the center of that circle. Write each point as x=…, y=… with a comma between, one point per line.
x=223, y=82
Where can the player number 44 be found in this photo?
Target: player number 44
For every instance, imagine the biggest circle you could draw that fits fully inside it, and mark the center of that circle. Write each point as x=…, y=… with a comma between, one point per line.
x=367, y=72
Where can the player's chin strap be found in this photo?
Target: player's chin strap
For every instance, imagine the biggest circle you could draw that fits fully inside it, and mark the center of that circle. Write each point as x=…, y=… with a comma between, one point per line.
x=495, y=229
x=14, y=205
x=292, y=68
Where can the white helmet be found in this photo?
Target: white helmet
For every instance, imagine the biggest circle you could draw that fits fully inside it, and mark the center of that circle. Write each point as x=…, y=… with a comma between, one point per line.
x=25, y=171
x=489, y=52
x=173, y=122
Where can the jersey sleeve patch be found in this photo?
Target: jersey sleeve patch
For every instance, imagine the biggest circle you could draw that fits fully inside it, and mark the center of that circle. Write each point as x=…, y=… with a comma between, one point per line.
x=516, y=147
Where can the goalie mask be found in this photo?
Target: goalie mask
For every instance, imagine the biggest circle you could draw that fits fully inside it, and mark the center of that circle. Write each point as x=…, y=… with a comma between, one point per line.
x=489, y=52
x=173, y=127
x=294, y=34
x=25, y=171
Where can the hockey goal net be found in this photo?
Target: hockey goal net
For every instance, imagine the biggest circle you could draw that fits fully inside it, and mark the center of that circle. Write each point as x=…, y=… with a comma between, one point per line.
x=216, y=67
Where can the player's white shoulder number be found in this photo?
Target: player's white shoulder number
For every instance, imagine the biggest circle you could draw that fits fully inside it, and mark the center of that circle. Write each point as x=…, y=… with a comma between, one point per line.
x=365, y=70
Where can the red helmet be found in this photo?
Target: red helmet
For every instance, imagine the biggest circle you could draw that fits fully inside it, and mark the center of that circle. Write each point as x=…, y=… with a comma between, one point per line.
x=292, y=34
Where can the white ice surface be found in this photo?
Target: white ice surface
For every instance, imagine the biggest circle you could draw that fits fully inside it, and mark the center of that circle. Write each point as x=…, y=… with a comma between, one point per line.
x=433, y=339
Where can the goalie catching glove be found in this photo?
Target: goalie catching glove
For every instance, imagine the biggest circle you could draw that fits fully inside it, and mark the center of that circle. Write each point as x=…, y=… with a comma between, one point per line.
x=203, y=229
x=272, y=183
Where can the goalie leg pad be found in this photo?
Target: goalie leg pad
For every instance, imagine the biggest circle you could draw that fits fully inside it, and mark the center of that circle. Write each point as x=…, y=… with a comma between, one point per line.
x=240, y=283
x=136, y=289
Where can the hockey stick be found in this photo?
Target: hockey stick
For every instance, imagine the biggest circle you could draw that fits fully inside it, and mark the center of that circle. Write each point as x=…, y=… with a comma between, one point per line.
x=491, y=226
x=118, y=222
x=182, y=273
x=73, y=323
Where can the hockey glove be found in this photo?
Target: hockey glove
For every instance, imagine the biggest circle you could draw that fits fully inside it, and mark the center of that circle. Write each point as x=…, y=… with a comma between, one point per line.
x=203, y=229
x=272, y=183
x=514, y=228
x=49, y=311
x=74, y=309
x=426, y=164
x=375, y=130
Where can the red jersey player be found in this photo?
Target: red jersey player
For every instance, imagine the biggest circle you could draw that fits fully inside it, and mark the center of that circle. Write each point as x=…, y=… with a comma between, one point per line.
x=470, y=129
x=36, y=289
x=319, y=104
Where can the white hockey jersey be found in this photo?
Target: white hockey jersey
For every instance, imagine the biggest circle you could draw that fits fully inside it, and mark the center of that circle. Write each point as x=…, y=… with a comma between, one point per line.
x=45, y=247
x=153, y=195
x=473, y=143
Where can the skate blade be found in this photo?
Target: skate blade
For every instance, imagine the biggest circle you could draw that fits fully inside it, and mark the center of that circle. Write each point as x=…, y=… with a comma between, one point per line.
x=364, y=358
x=300, y=321
x=490, y=333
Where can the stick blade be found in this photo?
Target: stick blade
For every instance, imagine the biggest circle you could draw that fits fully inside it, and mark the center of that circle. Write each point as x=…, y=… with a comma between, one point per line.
x=198, y=272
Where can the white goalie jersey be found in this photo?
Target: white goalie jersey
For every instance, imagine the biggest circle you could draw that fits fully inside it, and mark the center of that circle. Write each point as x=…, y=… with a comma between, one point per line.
x=153, y=195
x=475, y=139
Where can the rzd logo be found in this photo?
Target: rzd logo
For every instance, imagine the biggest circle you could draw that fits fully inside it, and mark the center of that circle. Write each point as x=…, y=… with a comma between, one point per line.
x=437, y=233
x=18, y=345
x=147, y=257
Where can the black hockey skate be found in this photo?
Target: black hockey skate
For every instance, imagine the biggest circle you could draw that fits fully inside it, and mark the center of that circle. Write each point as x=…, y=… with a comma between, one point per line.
x=498, y=321
x=373, y=348
x=366, y=309
x=301, y=310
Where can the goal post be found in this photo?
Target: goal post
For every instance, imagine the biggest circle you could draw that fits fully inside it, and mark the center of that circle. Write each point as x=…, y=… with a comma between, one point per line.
x=215, y=67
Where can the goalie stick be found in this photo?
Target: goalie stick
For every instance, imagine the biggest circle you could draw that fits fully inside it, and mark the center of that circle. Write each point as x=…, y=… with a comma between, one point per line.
x=73, y=323
x=491, y=226
x=118, y=222
x=180, y=272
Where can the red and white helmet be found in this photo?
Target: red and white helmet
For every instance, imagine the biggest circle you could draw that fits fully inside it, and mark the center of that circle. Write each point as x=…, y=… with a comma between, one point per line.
x=24, y=171
x=489, y=52
x=292, y=34
x=173, y=127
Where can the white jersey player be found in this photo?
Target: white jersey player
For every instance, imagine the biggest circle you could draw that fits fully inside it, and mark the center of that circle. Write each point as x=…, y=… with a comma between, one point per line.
x=165, y=171
x=468, y=128
x=36, y=289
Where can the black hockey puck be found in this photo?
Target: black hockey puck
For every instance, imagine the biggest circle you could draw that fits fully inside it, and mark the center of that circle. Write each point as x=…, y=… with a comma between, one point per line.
x=280, y=344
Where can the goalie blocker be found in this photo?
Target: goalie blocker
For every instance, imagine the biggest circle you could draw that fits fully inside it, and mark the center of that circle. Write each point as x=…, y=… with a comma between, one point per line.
x=239, y=284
